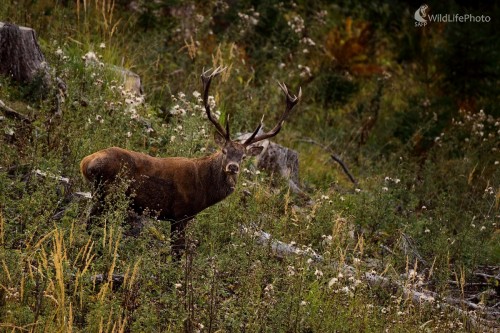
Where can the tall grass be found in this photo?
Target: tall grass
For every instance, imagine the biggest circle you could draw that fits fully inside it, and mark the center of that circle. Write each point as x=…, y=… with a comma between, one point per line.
x=424, y=221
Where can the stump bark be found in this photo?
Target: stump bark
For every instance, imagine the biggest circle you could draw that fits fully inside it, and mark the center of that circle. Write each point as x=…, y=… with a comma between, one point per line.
x=131, y=80
x=280, y=160
x=21, y=57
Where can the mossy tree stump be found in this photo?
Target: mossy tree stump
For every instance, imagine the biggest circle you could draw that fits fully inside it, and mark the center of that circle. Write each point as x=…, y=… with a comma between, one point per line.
x=21, y=58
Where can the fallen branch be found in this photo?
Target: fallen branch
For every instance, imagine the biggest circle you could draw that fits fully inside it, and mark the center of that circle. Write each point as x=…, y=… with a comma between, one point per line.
x=490, y=324
x=11, y=113
x=279, y=248
x=488, y=276
x=43, y=174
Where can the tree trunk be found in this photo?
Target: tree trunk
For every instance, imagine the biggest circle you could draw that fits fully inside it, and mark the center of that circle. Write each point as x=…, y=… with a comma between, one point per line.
x=21, y=57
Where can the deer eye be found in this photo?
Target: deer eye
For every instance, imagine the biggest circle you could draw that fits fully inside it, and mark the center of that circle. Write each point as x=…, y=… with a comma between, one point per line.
x=243, y=157
x=224, y=151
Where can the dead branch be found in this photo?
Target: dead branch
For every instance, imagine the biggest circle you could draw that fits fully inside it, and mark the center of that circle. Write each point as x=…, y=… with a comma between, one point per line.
x=279, y=248
x=43, y=174
x=334, y=157
x=410, y=249
x=488, y=276
x=11, y=113
x=344, y=167
x=487, y=323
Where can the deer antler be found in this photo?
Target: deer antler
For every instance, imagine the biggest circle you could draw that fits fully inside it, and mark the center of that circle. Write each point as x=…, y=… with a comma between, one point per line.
x=206, y=78
x=291, y=101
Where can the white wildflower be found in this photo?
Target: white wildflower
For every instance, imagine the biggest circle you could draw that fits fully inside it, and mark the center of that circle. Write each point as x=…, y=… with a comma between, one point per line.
x=318, y=273
x=332, y=282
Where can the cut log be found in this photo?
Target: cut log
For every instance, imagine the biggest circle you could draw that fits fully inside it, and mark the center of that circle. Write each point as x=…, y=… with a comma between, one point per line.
x=21, y=57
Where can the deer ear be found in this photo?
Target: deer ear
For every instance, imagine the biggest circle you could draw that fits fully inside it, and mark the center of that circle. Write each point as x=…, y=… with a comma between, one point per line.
x=255, y=150
x=219, y=139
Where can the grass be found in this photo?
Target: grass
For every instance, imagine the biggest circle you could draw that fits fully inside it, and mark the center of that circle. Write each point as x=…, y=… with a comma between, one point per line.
x=419, y=220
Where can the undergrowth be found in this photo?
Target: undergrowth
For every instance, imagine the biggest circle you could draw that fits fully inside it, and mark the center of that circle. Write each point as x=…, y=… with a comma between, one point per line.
x=425, y=205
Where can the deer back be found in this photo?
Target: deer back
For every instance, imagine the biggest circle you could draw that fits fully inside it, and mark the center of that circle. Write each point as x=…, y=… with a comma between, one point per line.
x=172, y=187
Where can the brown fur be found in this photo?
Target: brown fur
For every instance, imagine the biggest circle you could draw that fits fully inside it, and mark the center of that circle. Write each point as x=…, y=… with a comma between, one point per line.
x=178, y=188
x=173, y=188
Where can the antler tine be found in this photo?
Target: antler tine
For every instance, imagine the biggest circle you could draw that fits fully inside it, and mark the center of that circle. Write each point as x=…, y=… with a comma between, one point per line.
x=206, y=78
x=250, y=139
x=291, y=101
x=227, y=127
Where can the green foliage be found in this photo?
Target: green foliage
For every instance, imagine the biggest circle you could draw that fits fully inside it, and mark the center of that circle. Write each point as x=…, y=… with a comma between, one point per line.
x=402, y=107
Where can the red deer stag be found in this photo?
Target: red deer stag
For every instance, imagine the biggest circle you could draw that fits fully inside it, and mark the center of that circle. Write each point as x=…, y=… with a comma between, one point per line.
x=177, y=188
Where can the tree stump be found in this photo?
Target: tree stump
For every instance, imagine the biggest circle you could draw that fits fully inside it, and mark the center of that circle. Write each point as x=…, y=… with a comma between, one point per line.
x=21, y=57
x=281, y=160
x=131, y=80
x=278, y=159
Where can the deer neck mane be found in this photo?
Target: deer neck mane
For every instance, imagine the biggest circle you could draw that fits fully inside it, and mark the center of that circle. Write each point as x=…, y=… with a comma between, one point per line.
x=219, y=182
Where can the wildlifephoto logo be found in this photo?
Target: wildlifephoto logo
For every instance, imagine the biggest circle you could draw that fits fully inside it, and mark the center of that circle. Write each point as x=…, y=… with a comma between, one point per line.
x=422, y=17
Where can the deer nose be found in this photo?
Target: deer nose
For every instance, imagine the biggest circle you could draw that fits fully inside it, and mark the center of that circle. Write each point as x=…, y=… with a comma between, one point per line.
x=232, y=168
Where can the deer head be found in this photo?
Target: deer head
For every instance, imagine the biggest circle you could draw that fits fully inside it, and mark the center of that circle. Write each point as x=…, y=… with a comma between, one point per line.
x=233, y=151
x=179, y=188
